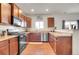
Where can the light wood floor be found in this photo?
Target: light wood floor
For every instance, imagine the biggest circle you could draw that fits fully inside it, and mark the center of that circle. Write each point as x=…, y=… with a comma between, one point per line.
x=38, y=48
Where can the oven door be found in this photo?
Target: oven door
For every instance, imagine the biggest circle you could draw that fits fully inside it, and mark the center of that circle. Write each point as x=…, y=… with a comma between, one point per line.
x=22, y=42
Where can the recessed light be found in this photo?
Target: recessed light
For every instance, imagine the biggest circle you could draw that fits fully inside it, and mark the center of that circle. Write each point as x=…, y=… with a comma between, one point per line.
x=47, y=10
x=32, y=10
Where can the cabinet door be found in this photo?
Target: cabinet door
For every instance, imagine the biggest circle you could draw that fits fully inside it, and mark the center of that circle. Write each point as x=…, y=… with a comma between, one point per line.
x=15, y=10
x=6, y=13
x=28, y=37
x=4, y=48
x=13, y=46
x=35, y=37
x=22, y=17
x=64, y=46
x=52, y=41
x=29, y=22
x=50, y=22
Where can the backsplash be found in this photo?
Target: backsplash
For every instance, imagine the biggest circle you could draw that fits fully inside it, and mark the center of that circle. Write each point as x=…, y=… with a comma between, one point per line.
x=5, y=27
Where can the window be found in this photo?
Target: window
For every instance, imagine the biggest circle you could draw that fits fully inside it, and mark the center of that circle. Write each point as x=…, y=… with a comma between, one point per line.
x=71, y=25
x=39, y=24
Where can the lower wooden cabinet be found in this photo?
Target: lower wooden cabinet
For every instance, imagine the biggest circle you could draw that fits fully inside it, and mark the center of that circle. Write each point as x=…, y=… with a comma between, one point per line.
x=4, y=47
x=61, y=45
x=64, y=46
x=4, y=50
x=27, y=37
x=9, y=47
x=13, y=46
x=52, y=42
x=34, y=37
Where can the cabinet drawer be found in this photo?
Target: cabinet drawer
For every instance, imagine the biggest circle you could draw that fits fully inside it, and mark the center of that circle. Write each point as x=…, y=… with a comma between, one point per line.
x=3, y=43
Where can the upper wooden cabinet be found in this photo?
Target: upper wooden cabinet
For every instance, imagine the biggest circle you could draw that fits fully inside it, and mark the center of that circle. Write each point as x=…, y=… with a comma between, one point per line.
x=20, y=14
x=5, y=13
x=29, y=21
x=50, y=22
x=15, y=10
x=9, y=10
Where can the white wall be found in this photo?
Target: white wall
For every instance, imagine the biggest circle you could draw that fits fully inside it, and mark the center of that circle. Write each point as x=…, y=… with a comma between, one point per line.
x=34, y=18
x=75, y=42
x=58, y=19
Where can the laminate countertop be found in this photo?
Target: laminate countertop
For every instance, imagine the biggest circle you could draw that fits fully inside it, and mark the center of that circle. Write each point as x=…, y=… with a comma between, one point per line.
x=7, y=37
x=60, y=34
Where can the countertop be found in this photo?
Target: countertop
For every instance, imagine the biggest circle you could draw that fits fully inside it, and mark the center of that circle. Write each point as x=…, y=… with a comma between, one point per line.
x=7, y=37
x=27, y=32
x=60, y=34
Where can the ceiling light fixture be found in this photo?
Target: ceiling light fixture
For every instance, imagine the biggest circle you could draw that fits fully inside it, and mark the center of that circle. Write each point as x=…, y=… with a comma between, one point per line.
x=47, y=9
x=32, y=10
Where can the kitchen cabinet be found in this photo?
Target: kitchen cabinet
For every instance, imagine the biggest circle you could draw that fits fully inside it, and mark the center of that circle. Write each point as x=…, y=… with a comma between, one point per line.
x=34, y=37
x=15, y=10
x=50, y=22
x=28, y=21
x=9, y=46
x=22, y=18
x=28, y=37
x=14, y=46
x=61, y=45
x=64, y=46
x=4, y=47
x=5, y=13
x=52, y=41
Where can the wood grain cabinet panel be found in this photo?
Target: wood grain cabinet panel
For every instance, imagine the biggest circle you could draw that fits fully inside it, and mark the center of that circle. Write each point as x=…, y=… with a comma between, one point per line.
x=5, y=13
x=50, y=22
x=52, y=42
x=28, y=21
x=15, y=10
x=13, y=46
x=4, y=47
x=61, y=45
x=28, y=37
x=64, y=46
x=34, y=37
x=4, y=50
x=21, y=16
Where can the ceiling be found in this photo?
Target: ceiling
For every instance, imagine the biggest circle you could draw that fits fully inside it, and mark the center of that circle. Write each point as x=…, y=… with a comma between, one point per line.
x=53, y=8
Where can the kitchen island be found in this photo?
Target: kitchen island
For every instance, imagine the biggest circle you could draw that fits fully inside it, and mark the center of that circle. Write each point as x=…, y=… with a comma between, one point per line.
x=61, y=43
